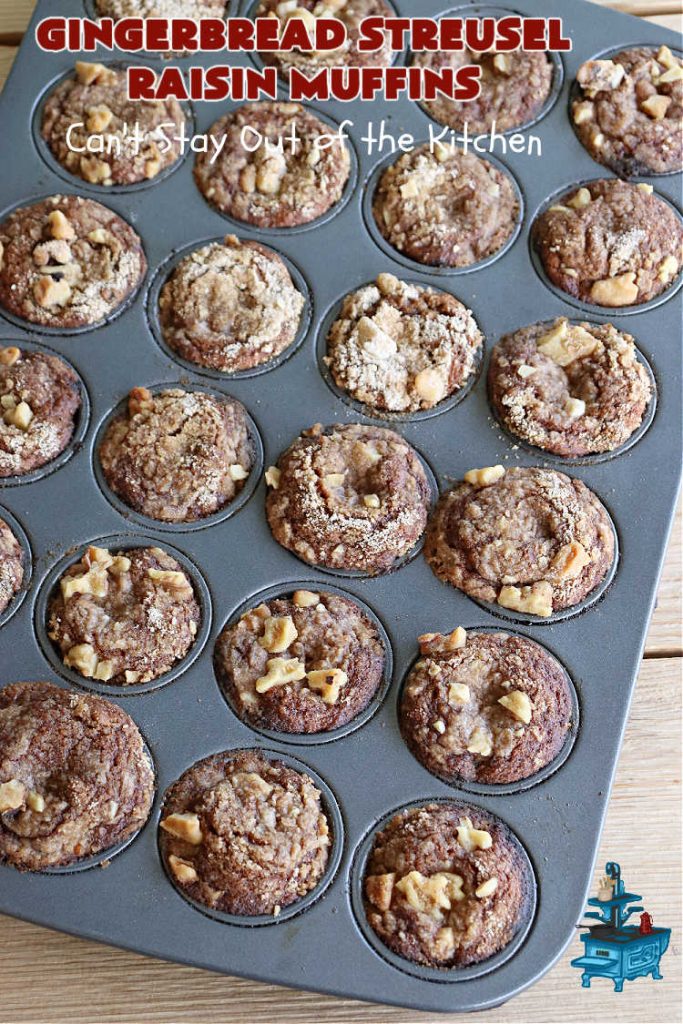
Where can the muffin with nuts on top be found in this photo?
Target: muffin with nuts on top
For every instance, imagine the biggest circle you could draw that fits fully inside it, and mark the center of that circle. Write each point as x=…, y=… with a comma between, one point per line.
x=123, y=617
x=11, y=565
x=301, y=663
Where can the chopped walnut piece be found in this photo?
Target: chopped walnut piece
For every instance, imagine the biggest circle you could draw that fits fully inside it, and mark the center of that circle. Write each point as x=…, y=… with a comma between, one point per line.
x=518, y=704
x=92, y=582
x=439, y=726
x=674, y=74
x=12, y=795
x=152, y=168
x=444, y=943
x=456, y=640
x=305, y=598
x=575, y=407
x=566, y=342
x=458, y=693
x=278, y=672
x=430, y=385
x=479, y=742
x=252, y=782
x=583, y=112
x=615, y=291
x=139, y=400
x=371, y=501
x=656, y=107
x=379, y=889
x=83, y=658
x=171, y=579
x=104, y=670
x=666, y=57
x=580, y=199
x=525, y=371
x=183, y=826
x=570, y=560
x=88, y=72
x=272, y=476
x=60, y=227
x=433, y=894
x=99, y=118
x=182, y=869
x=668, y=269
x=19, y=416
x=36, y=802
x=328, y=681
x=471, y=838
x=49, y=292
x=95, y=171
x=10, y=355
x=596, y=76
x=536, y=599
x=238, y=472
x=502, y=63
x=486, y=888
x=484, y=477
x=279, y=634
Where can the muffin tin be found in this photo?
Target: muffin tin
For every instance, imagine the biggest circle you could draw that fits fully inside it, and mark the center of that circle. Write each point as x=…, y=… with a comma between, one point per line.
x=325, y=946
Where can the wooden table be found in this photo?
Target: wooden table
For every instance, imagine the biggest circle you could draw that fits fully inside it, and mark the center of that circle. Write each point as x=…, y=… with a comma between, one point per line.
x=48, y=978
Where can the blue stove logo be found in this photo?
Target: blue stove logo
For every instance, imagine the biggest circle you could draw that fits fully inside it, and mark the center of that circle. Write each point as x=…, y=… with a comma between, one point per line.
x=613, y=949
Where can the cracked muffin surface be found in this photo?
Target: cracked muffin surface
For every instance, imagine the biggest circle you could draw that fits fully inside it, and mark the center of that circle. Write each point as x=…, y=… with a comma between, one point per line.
x=445, y=208
x=275, y=185
x=160, y=8
x=348, y=496
x=176, y=455
x=11, y=565
x=91, y=107
x=610, y=243
x=230, y=306
x=446, y=885
x=244, y=834
x=532, y=540
x=303, y=663
x=124, y=617
x=75, y=778
x=40, y=400
x=629, y=111
x=67, y=262
x=485, y=707
x=570, y=389
x=401, y=347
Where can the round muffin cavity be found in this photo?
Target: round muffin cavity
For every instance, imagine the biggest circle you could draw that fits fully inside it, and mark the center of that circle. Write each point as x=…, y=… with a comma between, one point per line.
x=92, y=108
x=176, y=455
x=531, y=540
x=244, y=834
x=67, y=262
x=446, y=885
x=571, y=389
x=348, y=497
x=610, y=243
x=629, y=111
x=514, y=87
x=124, y=617
x=118, y=9
x=11, y=565
x=445, y=208
x=39, y=401
x=75, y=778
x=230, y=306
x=485, y=707
x=400, y=347
x=304, y=663
x=295, y=174
x=350, y=12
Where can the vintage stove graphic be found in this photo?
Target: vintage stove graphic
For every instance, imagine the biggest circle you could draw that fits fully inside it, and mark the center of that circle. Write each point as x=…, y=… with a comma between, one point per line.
x=613, y=949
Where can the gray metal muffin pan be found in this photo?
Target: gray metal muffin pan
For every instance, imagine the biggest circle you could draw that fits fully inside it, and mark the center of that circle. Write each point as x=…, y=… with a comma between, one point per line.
x=369, y=770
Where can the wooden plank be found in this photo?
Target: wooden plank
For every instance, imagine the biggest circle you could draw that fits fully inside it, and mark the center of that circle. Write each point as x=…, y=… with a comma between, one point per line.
x=672, y=21
x=7, y=55
x=643, y=8
x=48, y=977
x=664, y=636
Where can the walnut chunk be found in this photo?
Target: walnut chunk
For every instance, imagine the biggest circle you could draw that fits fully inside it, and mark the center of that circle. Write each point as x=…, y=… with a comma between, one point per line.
x=583, y=112
x=170, y=579
x=486, y=888
x=95, y=171
x=674, y=74
x=328, y=681
x=272, y=477
x=570, y=560
x=471, y=838
x=536, y=599
x=502, y=64
x=615, y=291
x=152, y=168
x=94, y=582
x=518, y=704
x=575, y=407
x=183, y=826
x=668, y=269
x=566, y=342
x=580, y=199
x=524, y=371
x=88, y=72
x=484, y=477
x=458, y=693
x=379, y=889
x=278, y=672
x=656, y=107
x=279, y=634
x=19, y=416
x=10, y=355
x=444, y=943
x=182, y=870
x=36, y=802
x=305, y=598
x=238, y=472
x=60, y=226
x=49, y=292
x=596, y=76
x=411, y=189
x=479, y=742
x=456, y=640
x=12, y=795
x=431, y=894
x=430, y=385
x=83, y=658
x=139, y=400
x=371, y=501
x=99, y=118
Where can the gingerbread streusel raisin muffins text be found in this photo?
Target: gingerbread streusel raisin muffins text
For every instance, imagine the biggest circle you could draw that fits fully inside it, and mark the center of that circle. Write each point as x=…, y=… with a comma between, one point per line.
x=348, y=497
x=304, y=663
x=75, y=778
x=533, y=540
x=11, y=565
x=446, y=885
x=485, y=707
x=244, y=834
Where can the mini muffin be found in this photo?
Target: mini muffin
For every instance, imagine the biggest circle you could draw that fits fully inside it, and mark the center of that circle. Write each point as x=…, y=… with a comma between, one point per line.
x=629, y=111
x=445, y=208
x=230, y=306
x=67, y=262
x=75, y=778
x=446, y=885
x=11, y=565
x=514, y=87
x=571, y=389
x=401, y=347
x=485, y=707
x=350, y=12
x=94, y=103
x=532, y=540
x=304, y=663
x=160, y=8
x=176, y=455
x=123, y=617
x=39, y=401
x=348, y=497
x=244, y=834
x=274, y=186
x=610, y=243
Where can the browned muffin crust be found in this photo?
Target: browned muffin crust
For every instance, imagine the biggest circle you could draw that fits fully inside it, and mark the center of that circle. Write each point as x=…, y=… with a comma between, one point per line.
x=533, y=540
x=176, y=455
x=350, y=12
x=92, y=108
x=244, y=834
x=514, y=87
x=160, y=8
x=610, y=243
x=230, y=306
x=124, y=617
x=401, y=347
x=348, y=497
x=445, y=208
x=67, y=262
x=11, y=565
x=304, y=663
x=75, y=778
x=273, y=187
x=39, y=401
x=446, y=885
x=571, y=389
x=485, y=707
x=629, y=111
